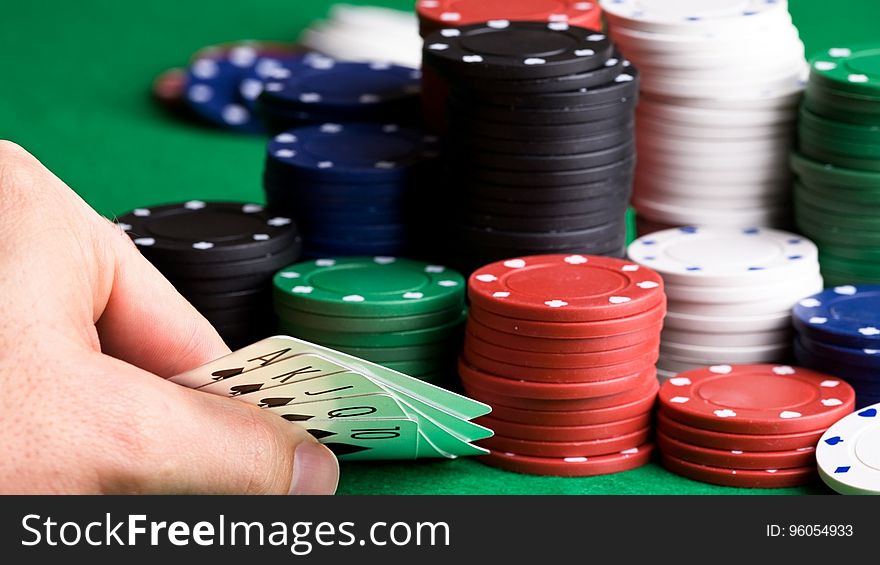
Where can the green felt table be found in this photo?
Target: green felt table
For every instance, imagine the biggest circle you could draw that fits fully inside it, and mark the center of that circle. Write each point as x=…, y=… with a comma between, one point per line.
x=74, y=90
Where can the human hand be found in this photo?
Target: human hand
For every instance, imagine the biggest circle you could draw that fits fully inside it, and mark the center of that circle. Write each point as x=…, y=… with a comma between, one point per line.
x=89, y=331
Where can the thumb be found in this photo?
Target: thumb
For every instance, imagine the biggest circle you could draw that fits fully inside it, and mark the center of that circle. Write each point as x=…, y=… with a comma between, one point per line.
x=186, y=441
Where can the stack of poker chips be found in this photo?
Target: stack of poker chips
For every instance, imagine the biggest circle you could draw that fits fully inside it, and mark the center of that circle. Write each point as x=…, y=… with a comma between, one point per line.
x=435, y=15
x=563, y=348
x=539, y=149
x=349, y=185
x=720, y=86
x=730, y=293
x=403, y=314
x=837, y=193
x=319, y=89
x=753, y=426
x=838, y=332
x=220, y=256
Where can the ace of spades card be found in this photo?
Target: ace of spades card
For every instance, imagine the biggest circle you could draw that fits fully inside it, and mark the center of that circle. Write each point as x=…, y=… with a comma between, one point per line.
x=360, y=410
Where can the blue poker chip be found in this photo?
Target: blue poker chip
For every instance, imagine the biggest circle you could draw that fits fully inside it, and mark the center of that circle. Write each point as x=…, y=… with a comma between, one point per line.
x=806, y=356
x=320, y=247
x=270, y=69
x=325, y=83
x=212, y=90
x=353, y=153
x=864, y=358
x=844, y=315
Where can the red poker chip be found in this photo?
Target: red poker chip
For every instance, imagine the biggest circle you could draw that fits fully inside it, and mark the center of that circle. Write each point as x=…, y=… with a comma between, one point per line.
x=168, y=88
x=756, y=399
x=565, y=288
x=532, y=432
x=571, y=466
x=569, y=330
x=600, y=407
x=742, y=442
x=471, y=375
x=562, y=360
x=437, y=14
x=605, y=446
x=592, y=417
x=743, y=478
x=558, y=375
x=734, y=458
x=557, y=345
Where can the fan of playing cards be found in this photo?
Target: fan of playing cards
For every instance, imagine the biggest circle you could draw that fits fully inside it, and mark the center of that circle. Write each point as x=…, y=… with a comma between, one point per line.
x=358, y=409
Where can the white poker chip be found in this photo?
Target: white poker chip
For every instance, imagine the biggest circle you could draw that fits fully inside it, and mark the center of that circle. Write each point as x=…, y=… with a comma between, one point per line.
x=716, y=154
x=726, y=198
x=652, y=140
x=747, y=338
x=735, y=294
x=725, y=256
x=651, y=125
x=713, y=355
x=664, y=375
x=704, y=218
x=764, y=307
x=694, y=16
x=719, y=324
x=687, y=116
x=723, y=189
x=787, y=98
x=697, y=177
x=848, y=454
x=713, y=53
x=793, y=80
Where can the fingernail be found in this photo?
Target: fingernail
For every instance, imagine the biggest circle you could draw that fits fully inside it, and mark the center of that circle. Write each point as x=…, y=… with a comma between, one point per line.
x=315, y=470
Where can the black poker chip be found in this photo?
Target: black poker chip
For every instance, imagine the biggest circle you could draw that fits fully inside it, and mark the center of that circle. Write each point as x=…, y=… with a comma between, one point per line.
x=528, y=195
x=622, y=87
x=554, y=116
x=528, y=148
x=208, y=232
x=567, y=83
x=471, y=124
x=262, y=265
x=502, y=49
x=546, y=240
x=252, y=297
x=556, y=208
x=541, y=163
x=554, y=179
x=541, y=224
x=224, y=285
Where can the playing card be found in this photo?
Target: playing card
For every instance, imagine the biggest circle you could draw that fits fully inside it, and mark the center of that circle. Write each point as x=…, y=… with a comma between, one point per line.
x=358, y=409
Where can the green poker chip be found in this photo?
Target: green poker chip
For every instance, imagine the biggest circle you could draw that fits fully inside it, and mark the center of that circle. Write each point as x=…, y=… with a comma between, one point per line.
x=839, y=198
x=815, y=171
x=409, y=353
x=838, y=145
x=851, y=252
x=849, y=266
x=809, y=213
x=825, y=127
x=421, y=367
x=315, y=321
x=448, y=331
x=836, y=157
x=860, y=196
x=849, y=69
x=368, y=287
